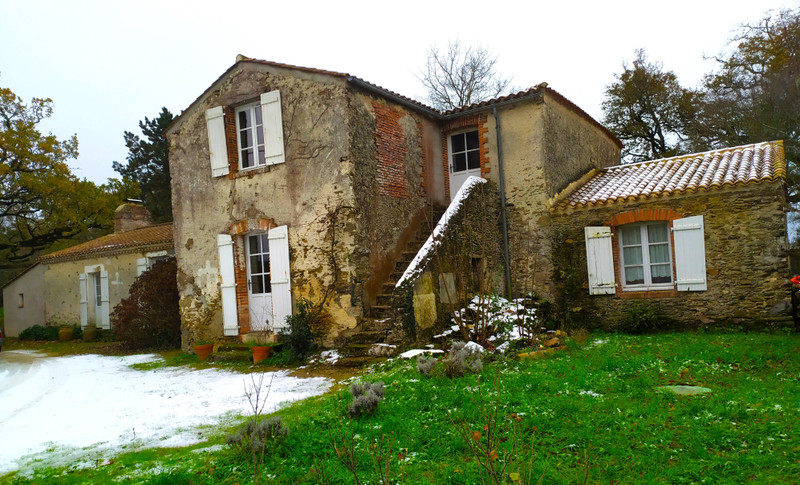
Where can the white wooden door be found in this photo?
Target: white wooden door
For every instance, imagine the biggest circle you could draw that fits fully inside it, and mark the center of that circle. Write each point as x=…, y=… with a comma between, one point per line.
x=259, y=283
x=465, y=159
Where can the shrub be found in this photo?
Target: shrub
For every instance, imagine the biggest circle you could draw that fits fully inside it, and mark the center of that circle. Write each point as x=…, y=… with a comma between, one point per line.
x=425, y=365
x=256, y=436
x=462, y=360
x=366, y=398
x=149, y=317
x=640, y=318
x=304, y=329
x=39, y=332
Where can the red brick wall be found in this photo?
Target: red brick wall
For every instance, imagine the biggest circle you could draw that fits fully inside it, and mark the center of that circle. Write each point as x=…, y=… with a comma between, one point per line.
x=477, y=121
x=230, y=140
x=391, y=151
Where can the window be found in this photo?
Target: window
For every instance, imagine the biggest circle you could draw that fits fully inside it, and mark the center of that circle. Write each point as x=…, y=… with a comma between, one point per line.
x=98, y=290
x=465, y=153
x=258, y=129
x=250, y=136
x=645, y=255
x=258, y=252
x=21, y=300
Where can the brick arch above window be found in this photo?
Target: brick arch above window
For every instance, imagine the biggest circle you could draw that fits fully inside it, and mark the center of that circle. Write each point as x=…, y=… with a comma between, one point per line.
x=250, y=225
x=642, y=215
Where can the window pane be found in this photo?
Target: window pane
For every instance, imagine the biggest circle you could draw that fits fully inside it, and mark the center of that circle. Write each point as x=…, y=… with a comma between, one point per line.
x=255, y=265
x=262, y=158
x=472, y=140
x=661, y=273
x=256, y=284
x=259, y=136
x=657, y=233
x=244, y=139
x=457, y=142
x=264, y=243
x=473, y=160
x=247, y=158
x=659, y=253
x=631, y=235
x=632, y=255
x=257, y=111
x=244, y=119
x=459, y=162
x=253, y=244
x=267, y=283
x=634, y=275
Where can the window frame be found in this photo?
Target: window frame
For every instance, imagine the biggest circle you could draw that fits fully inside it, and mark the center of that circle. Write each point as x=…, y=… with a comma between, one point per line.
x=451, y=153
x=255, y=110
x=646, y=264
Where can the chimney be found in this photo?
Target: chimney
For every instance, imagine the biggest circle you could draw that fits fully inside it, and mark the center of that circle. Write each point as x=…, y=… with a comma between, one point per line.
x=131, y=215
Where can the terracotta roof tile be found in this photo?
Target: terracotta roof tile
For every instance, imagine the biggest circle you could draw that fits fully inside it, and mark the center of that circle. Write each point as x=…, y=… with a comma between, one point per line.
x=686, y=173
x=118, y=242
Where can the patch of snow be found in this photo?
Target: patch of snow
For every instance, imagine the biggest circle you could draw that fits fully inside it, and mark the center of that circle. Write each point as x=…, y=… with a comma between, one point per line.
x=330, y=356
x=415, y=352
x=590, y=393
x=474, y=347
x=415, y=267
x=64, y=410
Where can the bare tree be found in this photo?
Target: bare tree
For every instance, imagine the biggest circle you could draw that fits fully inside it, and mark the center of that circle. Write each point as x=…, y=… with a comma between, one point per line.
x=459, y=76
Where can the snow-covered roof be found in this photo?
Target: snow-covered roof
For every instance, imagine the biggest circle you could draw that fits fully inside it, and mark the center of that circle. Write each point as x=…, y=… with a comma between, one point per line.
x=714, y=169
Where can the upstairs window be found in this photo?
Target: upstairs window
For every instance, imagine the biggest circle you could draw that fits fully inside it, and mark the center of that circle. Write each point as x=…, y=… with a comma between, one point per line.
x=250, y=136
x=465, y=151
x=645, y=255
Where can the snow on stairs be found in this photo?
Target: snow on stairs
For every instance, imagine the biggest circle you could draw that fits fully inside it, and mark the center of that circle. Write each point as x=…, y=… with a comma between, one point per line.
x=370, y=338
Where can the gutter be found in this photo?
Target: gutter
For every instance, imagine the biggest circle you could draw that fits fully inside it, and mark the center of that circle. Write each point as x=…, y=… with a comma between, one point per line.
x=503, y=208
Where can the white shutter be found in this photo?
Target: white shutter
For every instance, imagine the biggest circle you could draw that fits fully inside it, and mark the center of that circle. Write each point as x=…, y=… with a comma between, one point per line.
x=141, y=266
x=84, y=299
x=280, y=276
x=599, y=260
x=690, y=253
x=230, y=317
x=273, y=127
x=217, y=148
x=104, y=317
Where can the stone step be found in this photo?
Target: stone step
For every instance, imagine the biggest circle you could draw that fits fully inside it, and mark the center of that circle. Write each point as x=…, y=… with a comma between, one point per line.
x=359, y=361
x=383, y=299
x=367, y=337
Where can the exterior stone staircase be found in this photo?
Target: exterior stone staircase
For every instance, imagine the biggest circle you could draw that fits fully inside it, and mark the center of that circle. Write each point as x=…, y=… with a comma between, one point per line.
x=372, y=337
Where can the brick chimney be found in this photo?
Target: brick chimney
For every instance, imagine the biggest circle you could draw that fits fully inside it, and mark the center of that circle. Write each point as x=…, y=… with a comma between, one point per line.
x=131, y=215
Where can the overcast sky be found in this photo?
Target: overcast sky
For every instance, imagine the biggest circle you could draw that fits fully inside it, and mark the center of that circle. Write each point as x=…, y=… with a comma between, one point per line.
x=108, y=64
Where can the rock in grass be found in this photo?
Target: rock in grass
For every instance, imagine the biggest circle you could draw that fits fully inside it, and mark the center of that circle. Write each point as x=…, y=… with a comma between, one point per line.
x=685, y=390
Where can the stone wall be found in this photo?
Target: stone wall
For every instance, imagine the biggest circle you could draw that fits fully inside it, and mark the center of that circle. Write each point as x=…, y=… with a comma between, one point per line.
x=745, y=253
x=23, y=301
x=546, y=145
x=62, y=285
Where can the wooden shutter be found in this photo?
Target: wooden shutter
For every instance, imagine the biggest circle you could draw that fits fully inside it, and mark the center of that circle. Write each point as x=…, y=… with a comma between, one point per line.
x=599, y=260
x=690, y=253
x=273, y=127
x=280, y=276
x=105, y=307
x=141, y=266
x=217, y=148
x=84, y=289
x=230, y=317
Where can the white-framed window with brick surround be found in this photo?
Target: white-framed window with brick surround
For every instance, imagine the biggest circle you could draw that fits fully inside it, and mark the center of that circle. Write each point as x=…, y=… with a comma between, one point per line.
x=651, y=256
x=256, y=131
x=464, y=149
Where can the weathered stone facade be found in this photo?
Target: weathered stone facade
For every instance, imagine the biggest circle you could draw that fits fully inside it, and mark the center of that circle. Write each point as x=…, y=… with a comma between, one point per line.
x=350, y=188
x=745, y=256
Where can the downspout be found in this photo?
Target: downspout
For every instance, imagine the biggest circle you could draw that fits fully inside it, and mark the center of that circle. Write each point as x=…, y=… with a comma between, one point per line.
x=503, y=209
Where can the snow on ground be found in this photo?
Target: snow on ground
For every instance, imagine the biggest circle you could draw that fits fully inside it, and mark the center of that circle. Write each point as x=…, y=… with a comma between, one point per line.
x=68, y=410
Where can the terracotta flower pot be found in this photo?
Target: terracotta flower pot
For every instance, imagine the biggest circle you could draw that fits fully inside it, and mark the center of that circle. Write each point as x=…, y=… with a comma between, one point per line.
x=89, y=333
x=203, y=351
x=65, y=334
x=260, y=353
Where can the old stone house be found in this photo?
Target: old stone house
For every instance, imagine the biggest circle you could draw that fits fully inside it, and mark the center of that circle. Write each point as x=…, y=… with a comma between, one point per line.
x=292, y=182
x=83, y=283
x=702, y=237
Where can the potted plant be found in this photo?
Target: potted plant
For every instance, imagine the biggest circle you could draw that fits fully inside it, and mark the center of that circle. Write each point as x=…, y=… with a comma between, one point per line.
x=261, y=344
x=89, y=332
x=65, y=333
x=203, y=348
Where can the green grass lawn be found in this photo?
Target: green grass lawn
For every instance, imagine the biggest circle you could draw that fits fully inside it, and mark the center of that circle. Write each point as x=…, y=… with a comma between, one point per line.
x=589, y=414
